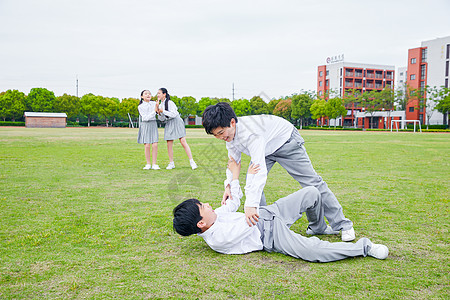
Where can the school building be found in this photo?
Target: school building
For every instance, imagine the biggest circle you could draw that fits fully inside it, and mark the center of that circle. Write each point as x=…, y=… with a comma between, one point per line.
x=428, y=65
x=342, y=77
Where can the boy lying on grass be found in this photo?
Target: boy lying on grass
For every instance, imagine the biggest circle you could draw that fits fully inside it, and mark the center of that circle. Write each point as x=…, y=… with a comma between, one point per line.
x=226, y=231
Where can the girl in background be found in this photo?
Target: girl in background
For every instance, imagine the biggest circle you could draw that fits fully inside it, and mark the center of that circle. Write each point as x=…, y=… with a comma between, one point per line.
x=148, y=129
x=174, y=128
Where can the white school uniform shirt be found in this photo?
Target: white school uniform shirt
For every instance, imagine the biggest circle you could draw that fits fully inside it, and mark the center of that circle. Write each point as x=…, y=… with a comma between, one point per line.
x=230, y=233
x=147, y=111
x=171, y=113
x=257, y=136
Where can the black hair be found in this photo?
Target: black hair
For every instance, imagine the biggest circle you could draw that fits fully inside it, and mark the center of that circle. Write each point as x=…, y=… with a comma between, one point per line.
x=218, y=115
x=186, y=215
x=140, y=102
x=164, y=91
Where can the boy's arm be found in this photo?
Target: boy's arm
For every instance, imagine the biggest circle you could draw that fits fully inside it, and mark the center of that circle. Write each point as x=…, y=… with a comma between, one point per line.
x=232, y=203
x=255, y=183
x=236, y=155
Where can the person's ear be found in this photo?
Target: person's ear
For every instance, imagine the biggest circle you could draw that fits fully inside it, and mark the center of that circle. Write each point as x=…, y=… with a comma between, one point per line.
x=232, y=122
x=201, y=224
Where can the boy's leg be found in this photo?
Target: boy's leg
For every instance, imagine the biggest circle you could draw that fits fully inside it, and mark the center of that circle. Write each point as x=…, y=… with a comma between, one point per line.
x=292, y=156
x=313, y=249
x=307, y=200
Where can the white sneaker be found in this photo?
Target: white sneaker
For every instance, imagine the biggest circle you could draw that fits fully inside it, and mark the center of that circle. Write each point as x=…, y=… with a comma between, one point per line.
x=378, y=251
x=156, y=167
x=147, y=167
x=170, y=166
x=348, y=235
x=328, y=230
x=193, y=165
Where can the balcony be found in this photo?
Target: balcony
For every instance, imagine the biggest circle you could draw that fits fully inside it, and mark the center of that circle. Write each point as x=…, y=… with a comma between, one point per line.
x=370, y=75
x=348, y=74
x=348, y=84
x=358, y=74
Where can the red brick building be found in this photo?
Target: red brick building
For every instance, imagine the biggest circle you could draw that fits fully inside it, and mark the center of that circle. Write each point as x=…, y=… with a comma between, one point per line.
x=45, y=120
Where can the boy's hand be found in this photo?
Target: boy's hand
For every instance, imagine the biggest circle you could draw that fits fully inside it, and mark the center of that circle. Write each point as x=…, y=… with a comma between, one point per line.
x=253, y=169
x=226, y=195
x=234, y=167
x=251, y=215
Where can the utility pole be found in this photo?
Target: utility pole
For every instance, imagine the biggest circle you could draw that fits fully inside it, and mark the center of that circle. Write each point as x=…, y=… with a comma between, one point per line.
x=77, y=86
x=233, y=91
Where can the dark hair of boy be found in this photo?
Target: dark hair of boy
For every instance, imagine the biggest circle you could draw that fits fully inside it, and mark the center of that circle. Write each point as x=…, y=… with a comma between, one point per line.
x=164, y=91
x=218, y=115
x=186, y=215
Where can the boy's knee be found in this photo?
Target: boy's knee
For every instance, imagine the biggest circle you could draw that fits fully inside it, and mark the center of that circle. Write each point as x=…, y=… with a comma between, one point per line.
x=311, y=196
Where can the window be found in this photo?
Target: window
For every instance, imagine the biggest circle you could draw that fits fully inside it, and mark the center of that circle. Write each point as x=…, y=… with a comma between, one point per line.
x=446, y=68
x=320, y=83
x=411, y=109
x=326, y=82
x=341, y=71
x=401, y=73
x=320, y=93
x=340, y=82
x=328, y=72
x=448, y=51
x=422, y=72
x=422, y=85
x=413, y=60
x=412, y=77
x=424, y=55
x=320, y=73
x=446, y=82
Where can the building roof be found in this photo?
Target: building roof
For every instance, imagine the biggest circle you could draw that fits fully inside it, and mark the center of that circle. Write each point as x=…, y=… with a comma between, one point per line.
x=44, y=114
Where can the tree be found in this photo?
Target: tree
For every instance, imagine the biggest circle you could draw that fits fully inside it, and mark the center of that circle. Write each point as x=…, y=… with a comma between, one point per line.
x=204, y=103
x=371, y=102
x=106, y=108
x=318, y=110
x=187, y=106
x=41, y=100
x=444, y=104
x=129, y=106
x=301, y=107
x=241, y=107
x=88, y=105
x=271, y=105
x=283, y=109
x=67, y=104
x=259, y=106
x=12, y=105
x=335, y=108
x=387, y=101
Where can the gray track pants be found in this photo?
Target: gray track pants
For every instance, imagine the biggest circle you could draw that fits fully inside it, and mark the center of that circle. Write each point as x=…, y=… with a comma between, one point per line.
x=276, y=220
x=293, y=158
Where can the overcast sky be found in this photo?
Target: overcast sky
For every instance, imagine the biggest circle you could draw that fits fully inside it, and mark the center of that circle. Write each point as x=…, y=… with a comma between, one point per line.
x=200, y=48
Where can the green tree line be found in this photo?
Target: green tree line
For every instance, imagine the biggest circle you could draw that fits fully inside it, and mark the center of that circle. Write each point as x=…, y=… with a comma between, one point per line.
x=301, y=109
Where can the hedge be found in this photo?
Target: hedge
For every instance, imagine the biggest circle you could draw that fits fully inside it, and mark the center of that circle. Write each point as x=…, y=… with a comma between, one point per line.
x=9, y=123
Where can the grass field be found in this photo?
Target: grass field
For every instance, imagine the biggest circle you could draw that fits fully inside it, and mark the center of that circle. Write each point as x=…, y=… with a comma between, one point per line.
x=81, y=219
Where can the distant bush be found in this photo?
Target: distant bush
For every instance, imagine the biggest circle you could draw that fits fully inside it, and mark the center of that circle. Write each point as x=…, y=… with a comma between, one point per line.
x=411, y=126
x=193, y=126
x=9, y=123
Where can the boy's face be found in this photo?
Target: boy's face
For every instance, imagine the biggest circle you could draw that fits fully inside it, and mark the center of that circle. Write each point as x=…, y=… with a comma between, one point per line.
x=208, y=216
x=225, y=133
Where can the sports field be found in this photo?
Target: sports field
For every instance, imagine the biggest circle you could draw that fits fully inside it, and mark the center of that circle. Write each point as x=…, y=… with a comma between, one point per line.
x=79, y=218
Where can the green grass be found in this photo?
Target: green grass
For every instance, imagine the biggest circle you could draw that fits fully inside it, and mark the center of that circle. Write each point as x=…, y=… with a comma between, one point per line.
x=81, y=219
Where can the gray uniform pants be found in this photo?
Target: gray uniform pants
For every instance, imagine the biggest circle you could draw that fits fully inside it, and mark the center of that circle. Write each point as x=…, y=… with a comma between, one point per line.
x=276, y=219
x=293, y=158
